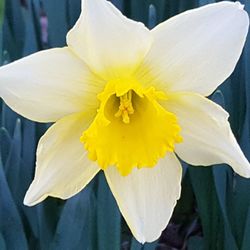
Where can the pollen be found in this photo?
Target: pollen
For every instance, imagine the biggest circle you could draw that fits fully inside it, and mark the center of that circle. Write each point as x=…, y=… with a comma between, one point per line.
x=126, y=107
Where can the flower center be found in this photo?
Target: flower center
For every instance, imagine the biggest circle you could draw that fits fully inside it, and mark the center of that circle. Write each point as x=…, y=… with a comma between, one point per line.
x=126, y=108
x=131, y=128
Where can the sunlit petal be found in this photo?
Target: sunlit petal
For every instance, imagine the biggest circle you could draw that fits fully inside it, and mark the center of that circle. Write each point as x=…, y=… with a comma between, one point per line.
x=62, y=167
x=147, y=197
x=206, y=132
x=196, y=50
x=49, y=85
x=111, y=44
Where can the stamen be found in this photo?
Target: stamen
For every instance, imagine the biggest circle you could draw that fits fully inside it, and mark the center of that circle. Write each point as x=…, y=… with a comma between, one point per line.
x=126, y=107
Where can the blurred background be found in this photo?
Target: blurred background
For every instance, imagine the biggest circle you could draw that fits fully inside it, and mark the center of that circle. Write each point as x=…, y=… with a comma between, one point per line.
x=214, y=209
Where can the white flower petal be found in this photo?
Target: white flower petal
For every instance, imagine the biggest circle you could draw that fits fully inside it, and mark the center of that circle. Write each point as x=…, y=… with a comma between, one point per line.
x=198, y=49
x=207, y=136
x=63, y=168
x=147, y=196
x=49, y=85
x=111, y=44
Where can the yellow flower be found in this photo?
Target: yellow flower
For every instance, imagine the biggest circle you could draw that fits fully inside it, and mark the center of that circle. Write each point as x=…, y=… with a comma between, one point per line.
x=127, y=100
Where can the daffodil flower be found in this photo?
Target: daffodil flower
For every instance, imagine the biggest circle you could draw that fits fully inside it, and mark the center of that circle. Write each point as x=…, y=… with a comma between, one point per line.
x=127, y=100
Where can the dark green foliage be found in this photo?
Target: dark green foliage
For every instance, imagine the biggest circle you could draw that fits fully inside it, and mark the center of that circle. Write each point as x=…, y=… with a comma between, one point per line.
x=214, y=209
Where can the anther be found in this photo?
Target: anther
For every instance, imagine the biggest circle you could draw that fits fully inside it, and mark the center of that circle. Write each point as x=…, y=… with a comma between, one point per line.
x=125, y=108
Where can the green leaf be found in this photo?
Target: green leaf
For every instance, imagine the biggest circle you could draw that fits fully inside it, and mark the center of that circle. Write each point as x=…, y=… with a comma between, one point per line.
x=14, y=29
x=48, y=214
x=12, y=166
x=11, y=227
x=207, y=202
x=246, y=239
x=58, y=25
x=135, y=245
x=2, y=4
x=196, y=243
x=73, y=227
x=108, y=217
x=32, y=41
x=5, y=143
x=8, y=119
x=73, y=11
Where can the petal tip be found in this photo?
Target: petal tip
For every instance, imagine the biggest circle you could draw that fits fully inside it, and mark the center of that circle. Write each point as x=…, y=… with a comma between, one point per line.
x=240, y=5
x=28, y=201
x=33, y=197
x=246, y=173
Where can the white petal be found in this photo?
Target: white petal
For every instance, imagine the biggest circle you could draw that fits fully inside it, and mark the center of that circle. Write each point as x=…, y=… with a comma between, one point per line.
x=147, y=196
x=49, y=85
x=107, y=41
x=62, y=167
x=198, y=49
x=207, y=136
